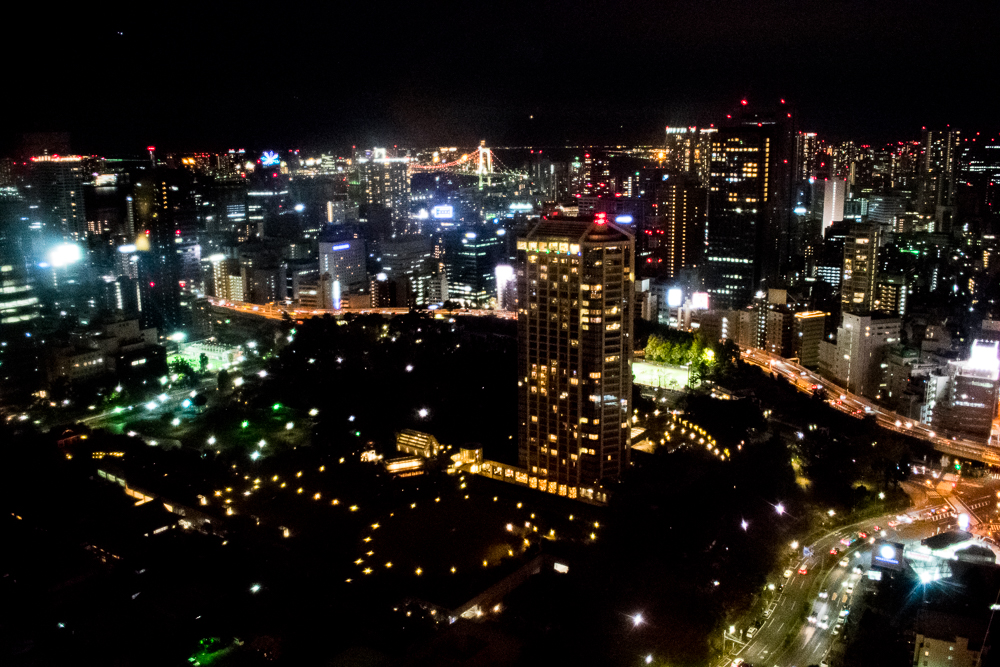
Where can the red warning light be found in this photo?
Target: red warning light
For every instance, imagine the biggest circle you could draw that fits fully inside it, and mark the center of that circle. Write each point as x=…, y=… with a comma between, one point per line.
x=601, y=218
x=743, y=102
x=150, y=148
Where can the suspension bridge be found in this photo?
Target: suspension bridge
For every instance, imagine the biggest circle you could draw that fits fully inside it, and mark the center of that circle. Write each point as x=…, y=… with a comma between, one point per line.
x=482, y=163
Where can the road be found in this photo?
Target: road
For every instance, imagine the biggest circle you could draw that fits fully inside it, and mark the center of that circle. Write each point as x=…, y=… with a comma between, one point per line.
x=806, y=381
x=274, y=312
x=786, y=638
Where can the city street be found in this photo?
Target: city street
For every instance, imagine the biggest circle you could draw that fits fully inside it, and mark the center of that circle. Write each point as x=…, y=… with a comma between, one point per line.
x=801, y=627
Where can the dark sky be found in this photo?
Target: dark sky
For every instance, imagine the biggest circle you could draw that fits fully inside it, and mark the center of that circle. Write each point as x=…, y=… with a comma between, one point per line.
x=366, y=72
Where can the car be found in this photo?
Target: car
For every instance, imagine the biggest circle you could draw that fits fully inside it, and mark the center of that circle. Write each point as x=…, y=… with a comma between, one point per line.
x=876, y=529
x=857, y=570
x=824, y=594
x=850, y=589
x=844, y=613
x=848, y=541
x=803, y=570
x=736, y=662
x=844, y=562
x=767, y=612
x=863, y=535
x=788, y=573
x=751, y=631
x=834, y=551
x=812, y=620
x=893, y=524
x=835, y=631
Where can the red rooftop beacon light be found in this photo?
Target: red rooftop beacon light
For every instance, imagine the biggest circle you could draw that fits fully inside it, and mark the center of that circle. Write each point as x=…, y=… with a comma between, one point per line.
x=601, y=218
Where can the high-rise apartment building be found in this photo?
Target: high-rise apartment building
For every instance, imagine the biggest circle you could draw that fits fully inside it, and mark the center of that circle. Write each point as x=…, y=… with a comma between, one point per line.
x=679, y=232
x=937, y=176
x=57, y=189
x=834, y=190
x=346, y=261
x=688, y=150
x=857, y=290
x=575, y=295
x=749, y=207
x=806, y=147
x=385, y=182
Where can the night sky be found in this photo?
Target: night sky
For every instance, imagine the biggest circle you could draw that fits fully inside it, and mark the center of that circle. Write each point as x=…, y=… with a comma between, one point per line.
x=384, y=73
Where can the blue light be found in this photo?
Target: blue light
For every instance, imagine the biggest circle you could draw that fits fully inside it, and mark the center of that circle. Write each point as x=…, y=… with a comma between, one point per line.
x=342, y=246
x=186, y=403
x=624, y=219
x=799, y=210
x=269, y=159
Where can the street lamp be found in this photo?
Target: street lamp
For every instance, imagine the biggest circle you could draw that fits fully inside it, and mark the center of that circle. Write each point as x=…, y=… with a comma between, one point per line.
x=779, y=508
x=636, y=620
x=744, y=524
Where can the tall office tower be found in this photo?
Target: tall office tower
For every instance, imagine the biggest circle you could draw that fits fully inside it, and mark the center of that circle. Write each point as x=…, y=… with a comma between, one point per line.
x=688, y=150
x=857, y=290
x=408, y=260
x=937, y=176
x=575, y=297
x=680, y=206
x=963, y=398
x=749, y=207
x=18, y=298
x=57, y=189
x=834, y=190
x=470, y=263
x=155, y=202
x=385, y=181
x=345, y=260
x=806, y=147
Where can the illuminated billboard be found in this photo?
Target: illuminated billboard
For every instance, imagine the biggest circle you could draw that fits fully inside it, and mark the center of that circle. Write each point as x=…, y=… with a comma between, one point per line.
x=675, y=297
x=699, y=301
x=269, y=159
x=888, y=555
x=443, y=212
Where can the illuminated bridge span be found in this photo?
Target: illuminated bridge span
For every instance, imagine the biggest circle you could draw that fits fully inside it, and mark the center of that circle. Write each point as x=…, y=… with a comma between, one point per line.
x=275, y=312
x=483, y=163
x=804, y=380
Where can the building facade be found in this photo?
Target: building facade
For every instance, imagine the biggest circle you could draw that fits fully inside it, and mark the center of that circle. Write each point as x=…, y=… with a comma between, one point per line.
x=575, y=299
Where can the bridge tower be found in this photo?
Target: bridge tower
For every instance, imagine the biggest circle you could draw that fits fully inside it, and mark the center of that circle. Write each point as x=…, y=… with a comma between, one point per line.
x=485, y=167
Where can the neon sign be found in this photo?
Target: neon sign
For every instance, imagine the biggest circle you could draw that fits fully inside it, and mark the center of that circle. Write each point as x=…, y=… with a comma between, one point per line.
x=269, y=159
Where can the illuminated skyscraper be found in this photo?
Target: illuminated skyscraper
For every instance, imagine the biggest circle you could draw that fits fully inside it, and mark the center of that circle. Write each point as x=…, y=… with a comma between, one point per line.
x=385, y=182
x=936, y=178
x=857, y=290
x=57, y=188
x=679, y=231
x=470, y=262
x=575, y=296
x=749, y=206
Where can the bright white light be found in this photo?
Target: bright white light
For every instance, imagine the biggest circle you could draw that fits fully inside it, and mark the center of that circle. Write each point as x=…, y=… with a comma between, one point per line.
x=255, y=588
x=423, y=412
x=779, y=508
x=409, y=367
x=211, y=440
x=255, y=456
x=179, y=336
x=887, y=552
x=744, y=524
x=300, y=207
x=65, y=254
x=162, y=398
x=313, y=412
x=151, y=405
x=175, y=422
x=263, y=374
x=186, y=403
x=637, y=619
x=289, y=426
x=963, y=521
x=237, y=382
x=262, y=443
x=649, y=658
x=351, y=418
x=675, y=297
